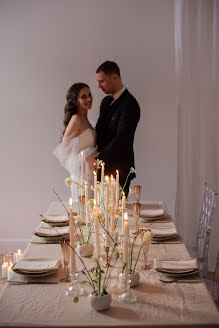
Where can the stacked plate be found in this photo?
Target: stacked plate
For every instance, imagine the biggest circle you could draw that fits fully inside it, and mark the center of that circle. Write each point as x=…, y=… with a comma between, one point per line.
x=153, y=214
x=176, y=268
x=52, y=234
x=164, y=234
x=56, y=220
x=37, y=268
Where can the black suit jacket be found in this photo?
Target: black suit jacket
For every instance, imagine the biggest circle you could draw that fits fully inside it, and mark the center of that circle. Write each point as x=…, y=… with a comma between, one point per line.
x=115, y=134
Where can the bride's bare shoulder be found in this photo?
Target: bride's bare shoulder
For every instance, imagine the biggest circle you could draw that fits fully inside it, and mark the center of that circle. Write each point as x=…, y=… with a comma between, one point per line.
x=74, y=126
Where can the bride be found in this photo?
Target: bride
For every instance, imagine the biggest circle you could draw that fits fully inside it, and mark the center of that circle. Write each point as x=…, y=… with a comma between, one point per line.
x=78, y=136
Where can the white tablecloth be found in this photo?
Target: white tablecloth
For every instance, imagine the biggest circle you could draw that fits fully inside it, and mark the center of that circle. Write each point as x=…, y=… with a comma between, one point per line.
x=158, y=304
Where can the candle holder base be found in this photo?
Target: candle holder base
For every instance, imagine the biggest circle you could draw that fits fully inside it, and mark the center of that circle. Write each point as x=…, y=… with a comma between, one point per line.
x=145, y=267
x=107, y=264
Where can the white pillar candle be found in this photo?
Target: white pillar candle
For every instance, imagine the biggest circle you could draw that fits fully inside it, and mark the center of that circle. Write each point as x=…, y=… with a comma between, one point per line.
x=117, y=188
x=112, y=205
x=125, y=246
x=95, y=186
x=107, y=213
x=72, y=238
x=86, y=204
x=82, y=173
x=5, y=270
x=18, y=255
x=9, y=273
x=123, y=210
x=102, y=181
x=97, y=237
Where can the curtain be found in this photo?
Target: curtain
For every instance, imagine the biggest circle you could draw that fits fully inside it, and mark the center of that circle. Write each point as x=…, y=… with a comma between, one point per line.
x=196, y=26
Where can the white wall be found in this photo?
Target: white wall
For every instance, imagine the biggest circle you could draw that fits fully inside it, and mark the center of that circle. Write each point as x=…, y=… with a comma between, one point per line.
x=47, y=45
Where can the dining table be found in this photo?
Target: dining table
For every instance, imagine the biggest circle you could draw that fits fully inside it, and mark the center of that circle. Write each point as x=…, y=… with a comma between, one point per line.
x=43, y=302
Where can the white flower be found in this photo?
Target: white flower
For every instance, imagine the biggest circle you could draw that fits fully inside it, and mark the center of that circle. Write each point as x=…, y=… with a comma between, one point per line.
x=120, y=250
x=132, y=170
x=68, y=182
x=78, y=219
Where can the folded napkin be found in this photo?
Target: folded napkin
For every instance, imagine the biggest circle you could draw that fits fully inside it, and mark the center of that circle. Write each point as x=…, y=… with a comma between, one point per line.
x=37, y=266
x=55, y=219
x=54, y=278
x=174, y=265
x=52, y=232
x=153, y=212
x=164, y=232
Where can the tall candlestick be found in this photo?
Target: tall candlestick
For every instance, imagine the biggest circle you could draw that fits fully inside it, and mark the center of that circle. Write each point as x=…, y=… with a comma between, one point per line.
x=113, y=206
x=95, y=186
x=96, y=223
x=72, y=238
x=106, y=213
x=117, y=188
x=125, y=246
x=123, y=210
x=102, y=181
x=86, y=204
x=82, y=172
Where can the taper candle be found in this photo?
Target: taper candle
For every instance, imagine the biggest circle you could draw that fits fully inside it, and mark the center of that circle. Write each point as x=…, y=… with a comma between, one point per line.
x=72, y=238
x=102, y=181
x=96, y=223
x=107, y=213
x=112, y=205
x=117, y=188
x=82, y=172
x=125, y=246
x=95, y=186
x=123, y=210
x=86, y=204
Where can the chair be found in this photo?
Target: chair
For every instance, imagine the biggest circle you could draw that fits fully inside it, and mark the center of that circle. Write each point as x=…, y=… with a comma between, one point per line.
x=204, y=228
x=213, y=284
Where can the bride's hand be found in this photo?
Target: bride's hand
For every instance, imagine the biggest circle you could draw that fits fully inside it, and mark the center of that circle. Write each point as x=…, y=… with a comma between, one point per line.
x=92, y=160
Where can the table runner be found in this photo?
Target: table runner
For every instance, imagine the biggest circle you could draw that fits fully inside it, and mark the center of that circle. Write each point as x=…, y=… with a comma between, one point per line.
x=158, y=304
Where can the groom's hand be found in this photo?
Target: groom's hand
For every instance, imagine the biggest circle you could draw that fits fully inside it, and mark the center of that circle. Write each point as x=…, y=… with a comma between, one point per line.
x=92, y=161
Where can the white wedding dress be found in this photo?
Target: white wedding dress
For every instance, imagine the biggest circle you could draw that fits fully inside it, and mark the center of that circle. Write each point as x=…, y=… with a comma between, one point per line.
x=69, y=155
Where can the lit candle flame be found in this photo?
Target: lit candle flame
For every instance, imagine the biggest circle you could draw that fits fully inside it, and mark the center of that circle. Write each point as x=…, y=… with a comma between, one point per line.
x=126, y=216
x=94, y=173
x=70, y=201
x=111, y=177
x=117, y=172
x=123, y=194
x=82, y=154
x=107, y=178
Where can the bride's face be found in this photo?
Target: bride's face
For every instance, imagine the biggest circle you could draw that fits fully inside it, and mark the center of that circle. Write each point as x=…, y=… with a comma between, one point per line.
x=84, y=99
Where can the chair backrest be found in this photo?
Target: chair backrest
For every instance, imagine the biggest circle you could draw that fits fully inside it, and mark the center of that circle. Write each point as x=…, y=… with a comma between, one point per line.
x=204, y=228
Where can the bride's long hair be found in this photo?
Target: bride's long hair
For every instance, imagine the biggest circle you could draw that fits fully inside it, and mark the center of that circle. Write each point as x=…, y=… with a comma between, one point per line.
x=71, y=106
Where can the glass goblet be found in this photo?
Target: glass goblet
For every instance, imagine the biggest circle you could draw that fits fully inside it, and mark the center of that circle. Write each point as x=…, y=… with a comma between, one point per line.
x=127, y=296
x=74, y=290
x=66, y=257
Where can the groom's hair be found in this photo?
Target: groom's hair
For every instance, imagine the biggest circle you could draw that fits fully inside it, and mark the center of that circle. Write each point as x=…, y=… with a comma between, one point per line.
x=109, y=68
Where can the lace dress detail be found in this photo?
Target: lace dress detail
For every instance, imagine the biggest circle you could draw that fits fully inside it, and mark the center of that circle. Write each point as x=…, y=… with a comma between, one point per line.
x=69, y=155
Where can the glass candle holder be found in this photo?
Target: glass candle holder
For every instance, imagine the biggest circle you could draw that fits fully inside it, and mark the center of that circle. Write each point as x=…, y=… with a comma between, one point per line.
x=137, y=193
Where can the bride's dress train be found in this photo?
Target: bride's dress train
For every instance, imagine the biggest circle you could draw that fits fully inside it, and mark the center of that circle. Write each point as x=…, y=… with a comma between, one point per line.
x=69, y=155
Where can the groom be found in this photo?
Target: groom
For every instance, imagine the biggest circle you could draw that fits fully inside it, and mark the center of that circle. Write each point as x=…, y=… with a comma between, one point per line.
x=116, y=125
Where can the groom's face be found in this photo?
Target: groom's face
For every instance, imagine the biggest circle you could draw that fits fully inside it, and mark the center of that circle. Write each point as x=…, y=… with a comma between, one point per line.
x=106, y=82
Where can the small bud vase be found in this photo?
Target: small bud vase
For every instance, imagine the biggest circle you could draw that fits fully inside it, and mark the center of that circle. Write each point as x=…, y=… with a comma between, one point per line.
x=85, y=250
x=100, y=302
